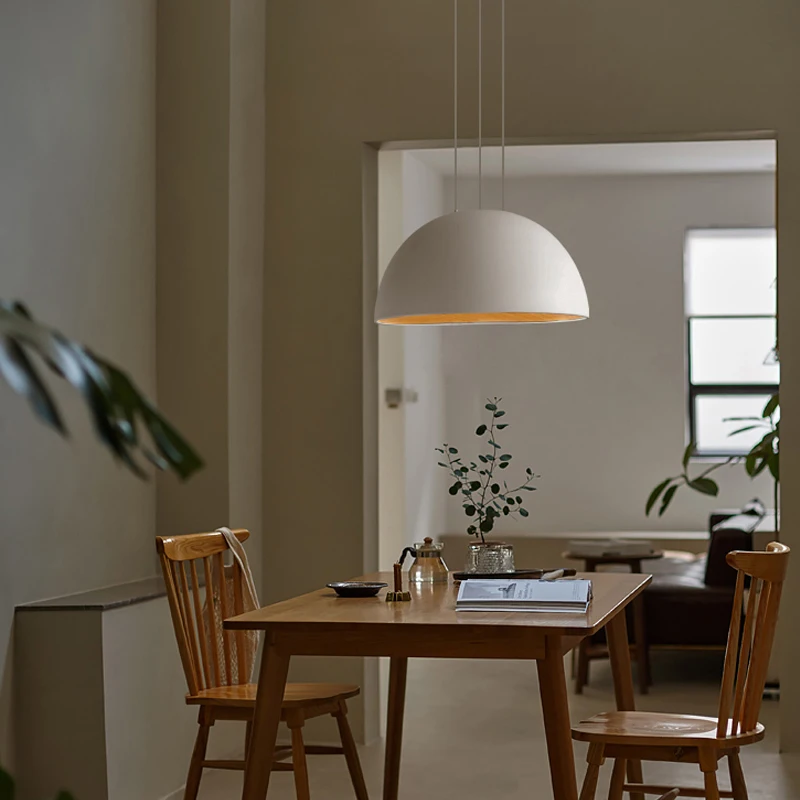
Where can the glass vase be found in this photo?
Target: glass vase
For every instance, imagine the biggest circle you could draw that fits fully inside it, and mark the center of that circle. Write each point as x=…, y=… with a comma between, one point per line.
x=491, y=557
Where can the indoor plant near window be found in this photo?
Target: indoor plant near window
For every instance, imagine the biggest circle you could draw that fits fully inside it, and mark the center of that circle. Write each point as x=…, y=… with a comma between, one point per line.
x=764, y=455
x=485, y=494
x=119, y=411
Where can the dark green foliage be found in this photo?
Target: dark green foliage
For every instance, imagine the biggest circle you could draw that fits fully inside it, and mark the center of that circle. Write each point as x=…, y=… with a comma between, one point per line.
x=484, y=499
x=117, y=408
x=765, y=454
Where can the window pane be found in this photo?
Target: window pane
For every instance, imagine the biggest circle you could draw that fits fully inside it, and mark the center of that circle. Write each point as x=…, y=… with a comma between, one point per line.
x=732, y=351
x=731, y=271
x=711, y=431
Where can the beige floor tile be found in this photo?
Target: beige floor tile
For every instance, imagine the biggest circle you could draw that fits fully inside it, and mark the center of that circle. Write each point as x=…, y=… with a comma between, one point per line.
x=474, y=730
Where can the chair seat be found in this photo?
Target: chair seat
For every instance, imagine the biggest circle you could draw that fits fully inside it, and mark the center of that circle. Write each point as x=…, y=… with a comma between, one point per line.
x=296, y=695
x=647, y=728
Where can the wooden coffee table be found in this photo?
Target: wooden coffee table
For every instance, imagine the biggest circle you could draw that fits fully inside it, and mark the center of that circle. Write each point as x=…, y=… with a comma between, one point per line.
x=588, y=651
x=322, y=624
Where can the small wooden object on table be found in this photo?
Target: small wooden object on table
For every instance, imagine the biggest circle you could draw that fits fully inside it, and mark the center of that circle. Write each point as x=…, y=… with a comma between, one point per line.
x=587, y=650
x=398, y=595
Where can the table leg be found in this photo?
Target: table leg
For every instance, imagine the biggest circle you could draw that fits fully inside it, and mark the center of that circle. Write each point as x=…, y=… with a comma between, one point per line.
x=620, y=654
x=398, y=669
x=266, y=716
x=555, y=710
x=642, y=652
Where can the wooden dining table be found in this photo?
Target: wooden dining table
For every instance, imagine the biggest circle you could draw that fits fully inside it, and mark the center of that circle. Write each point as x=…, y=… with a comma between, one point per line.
x=322, y=624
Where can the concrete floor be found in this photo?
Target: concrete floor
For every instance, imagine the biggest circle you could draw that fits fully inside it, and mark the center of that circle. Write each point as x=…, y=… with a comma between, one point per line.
x=474, y=730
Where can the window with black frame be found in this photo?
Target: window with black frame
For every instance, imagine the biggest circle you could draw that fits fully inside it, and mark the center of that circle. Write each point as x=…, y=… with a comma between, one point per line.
x=730, y=304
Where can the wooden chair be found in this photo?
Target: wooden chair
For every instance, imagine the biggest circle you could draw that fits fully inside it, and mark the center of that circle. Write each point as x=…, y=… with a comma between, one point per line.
x=188, y=563
x=627, y=736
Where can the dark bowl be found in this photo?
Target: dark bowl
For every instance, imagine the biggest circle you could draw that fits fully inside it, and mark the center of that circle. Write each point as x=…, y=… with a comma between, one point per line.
x=357, y=588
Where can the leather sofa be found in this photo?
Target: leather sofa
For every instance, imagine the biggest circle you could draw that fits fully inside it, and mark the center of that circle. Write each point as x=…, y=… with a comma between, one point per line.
x=689, y=601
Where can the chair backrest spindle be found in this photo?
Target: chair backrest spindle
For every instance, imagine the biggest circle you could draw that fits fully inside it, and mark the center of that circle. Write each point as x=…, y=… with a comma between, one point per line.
x=750, y=645
x=197, y=615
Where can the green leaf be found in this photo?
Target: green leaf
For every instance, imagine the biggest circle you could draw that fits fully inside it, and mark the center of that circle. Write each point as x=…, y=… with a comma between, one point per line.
x=655, y=494
x=494, y=444
x=772, y=406
x=773, y=462
x=469, y=510
x=474, y=486
x=503, y=464
x=480, y=430
x=113, y=400
x=491, y=407
x=668, y=495
x=22, y=377
x=483, y=459
x=743, y=430
x=705, y=486
x=495, y=487
x=446, y=466
x=499, y=414
x=506, y=457
x=454, y=489
x=687, y=454
x=523, y=512
x=529, y=488
x=505, y=510
x=529, y=471
x=501, y=426
x=472, y=530
x=452, y=450
x=761, y=466
x=487, y=524
x=6, y=786
x=510, y=500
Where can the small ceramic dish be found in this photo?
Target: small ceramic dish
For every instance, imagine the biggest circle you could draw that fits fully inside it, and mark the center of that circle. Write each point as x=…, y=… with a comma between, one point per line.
x=357, y=588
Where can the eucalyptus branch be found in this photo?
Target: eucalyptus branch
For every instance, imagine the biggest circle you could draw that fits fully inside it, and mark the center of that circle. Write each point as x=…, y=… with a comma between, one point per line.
x=484, y=499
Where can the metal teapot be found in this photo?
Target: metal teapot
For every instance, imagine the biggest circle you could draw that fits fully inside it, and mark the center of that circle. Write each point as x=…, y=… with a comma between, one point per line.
x=428, y=566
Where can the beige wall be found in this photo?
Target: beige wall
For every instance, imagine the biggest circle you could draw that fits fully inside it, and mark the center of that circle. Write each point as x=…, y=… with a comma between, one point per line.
x=210, y=123
x=599, y=409
x=77, y=243
x=378, y=70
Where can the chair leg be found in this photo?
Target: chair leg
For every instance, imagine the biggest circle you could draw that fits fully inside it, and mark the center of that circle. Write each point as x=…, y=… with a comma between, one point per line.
x=595, y=759
x=738, y=784
x=248, y=732
x=299, y=760
x=708, y=765
x=198, y=756
x=617, y=779
x=351, y=753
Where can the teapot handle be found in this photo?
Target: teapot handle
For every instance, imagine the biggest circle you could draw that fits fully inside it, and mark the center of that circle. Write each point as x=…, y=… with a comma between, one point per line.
x=405, y=552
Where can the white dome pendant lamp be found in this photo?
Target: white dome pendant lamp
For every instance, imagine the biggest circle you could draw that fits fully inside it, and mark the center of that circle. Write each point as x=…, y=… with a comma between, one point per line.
x=484, y=266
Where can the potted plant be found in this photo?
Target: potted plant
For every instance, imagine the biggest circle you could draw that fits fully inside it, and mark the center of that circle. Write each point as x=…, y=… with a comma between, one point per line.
x=764, y=455
x=484, y=492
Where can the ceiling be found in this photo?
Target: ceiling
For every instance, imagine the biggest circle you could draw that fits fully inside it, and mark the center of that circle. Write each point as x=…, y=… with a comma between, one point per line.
x=641, y=158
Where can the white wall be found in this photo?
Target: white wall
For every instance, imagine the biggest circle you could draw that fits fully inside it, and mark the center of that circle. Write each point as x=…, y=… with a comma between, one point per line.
x=426, y=512
x=77, y=243
x=597, y=408
x=411, y=491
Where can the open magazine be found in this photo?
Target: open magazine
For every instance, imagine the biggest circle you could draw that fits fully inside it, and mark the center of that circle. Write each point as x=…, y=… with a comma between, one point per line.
x=525, y=595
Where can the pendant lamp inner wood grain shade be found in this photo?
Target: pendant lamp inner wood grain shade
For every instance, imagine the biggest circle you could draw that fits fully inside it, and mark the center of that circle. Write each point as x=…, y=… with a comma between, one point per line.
x=482, y=266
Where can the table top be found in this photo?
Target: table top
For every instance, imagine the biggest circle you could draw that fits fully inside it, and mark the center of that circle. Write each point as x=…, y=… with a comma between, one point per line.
x=612, y=559
x=433, y=608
